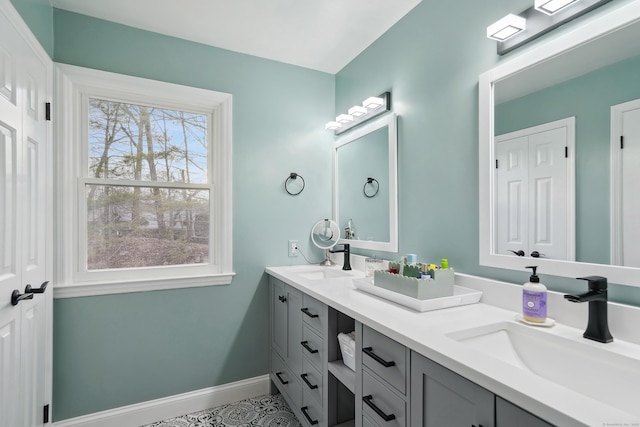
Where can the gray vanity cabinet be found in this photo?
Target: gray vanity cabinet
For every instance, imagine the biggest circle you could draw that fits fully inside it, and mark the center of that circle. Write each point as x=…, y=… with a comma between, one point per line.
x=508, y=414
x=391, y=386
x=440, y=397
x=286, y=335
x=298, y=325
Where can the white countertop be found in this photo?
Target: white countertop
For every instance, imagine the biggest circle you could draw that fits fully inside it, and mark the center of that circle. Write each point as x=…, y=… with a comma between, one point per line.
x=426, y=332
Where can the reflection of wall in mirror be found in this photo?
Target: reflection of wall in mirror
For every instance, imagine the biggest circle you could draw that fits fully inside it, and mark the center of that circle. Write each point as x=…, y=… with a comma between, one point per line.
x=366, y=157
x=588, y=98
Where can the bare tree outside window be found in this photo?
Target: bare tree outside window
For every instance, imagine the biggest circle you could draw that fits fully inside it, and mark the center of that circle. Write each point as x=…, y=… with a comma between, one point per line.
x=151, y=207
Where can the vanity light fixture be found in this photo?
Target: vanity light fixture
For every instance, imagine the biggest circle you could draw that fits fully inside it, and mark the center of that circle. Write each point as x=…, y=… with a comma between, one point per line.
x=506, y=27
x=371, y=107
x=542, y=17
x=552, y=6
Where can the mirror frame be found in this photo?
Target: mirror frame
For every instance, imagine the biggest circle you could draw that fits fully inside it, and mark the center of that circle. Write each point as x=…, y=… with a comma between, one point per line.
x=583, y=34
x=388, y=120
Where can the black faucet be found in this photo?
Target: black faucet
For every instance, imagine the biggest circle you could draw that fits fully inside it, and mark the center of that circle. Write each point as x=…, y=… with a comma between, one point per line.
x=346, y=265
x=598, y=325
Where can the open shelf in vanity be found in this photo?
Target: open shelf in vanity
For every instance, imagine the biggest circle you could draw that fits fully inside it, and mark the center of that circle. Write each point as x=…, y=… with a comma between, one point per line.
x=341, y=390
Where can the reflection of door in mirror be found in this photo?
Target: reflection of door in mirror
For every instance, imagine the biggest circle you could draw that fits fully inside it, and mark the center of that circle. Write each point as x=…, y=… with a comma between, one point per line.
x=533, y=184
x=589, y=98
x=625, y=170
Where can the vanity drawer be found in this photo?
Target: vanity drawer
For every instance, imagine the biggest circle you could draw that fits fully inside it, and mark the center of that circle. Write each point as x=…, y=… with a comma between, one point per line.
x=312, y=346
x=311, y=411
x=385, y=357
x=366, y=422
x=381, y=404
x=508, y=414
x=314, y=313
x=284, y=379
x=311, y=380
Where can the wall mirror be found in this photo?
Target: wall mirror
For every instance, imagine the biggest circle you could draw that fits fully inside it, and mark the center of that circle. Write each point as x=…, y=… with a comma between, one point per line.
x=588, y=75
x=365, y=194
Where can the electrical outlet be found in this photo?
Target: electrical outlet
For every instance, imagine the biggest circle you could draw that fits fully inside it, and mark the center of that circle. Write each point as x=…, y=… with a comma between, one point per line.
x=293, y=248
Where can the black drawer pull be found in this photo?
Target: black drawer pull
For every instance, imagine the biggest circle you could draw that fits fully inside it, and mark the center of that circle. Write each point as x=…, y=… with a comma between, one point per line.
x=306, y=311
x=306, y=415
x=282, y=298
x=280, y=378
x=305, y=344
x=306, y=381
x=380, y=360
x=368, y=400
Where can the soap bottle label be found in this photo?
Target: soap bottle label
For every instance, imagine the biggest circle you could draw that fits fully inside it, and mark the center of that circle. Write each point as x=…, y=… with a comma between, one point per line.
x=534, y=304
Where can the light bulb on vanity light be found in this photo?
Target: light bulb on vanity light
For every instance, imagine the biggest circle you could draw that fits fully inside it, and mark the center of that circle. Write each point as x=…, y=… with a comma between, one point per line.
x=373, y=102
x=552, y=6
x=357, y=111
x=332, y=126
x=344, y=118
x=506, y=27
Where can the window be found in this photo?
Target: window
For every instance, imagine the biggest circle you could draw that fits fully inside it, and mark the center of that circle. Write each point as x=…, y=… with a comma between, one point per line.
x=144, y=184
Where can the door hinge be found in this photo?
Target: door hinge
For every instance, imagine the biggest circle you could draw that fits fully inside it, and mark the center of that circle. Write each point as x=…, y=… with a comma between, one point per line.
x=496, y=163
x=566, y=152
x=45, y=413
x=47, y=111
x=621, y=142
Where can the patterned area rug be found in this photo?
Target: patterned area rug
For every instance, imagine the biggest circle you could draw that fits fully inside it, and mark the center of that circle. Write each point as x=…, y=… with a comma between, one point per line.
x=268, y=411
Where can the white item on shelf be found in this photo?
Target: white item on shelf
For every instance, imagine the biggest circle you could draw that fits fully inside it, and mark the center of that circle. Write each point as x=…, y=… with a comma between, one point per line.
x=438, y=285
x=348, y=349
x=461, y=296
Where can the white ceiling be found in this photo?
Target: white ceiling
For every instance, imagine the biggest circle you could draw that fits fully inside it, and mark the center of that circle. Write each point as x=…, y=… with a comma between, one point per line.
x=324, y=35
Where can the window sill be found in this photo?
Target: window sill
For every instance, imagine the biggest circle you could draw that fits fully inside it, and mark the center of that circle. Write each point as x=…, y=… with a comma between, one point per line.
x=122, y=287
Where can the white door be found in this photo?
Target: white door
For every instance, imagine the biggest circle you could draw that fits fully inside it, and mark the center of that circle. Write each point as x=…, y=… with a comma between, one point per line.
x=626, y=184
x=25, y=326
x=534, y=203
x=512, y=195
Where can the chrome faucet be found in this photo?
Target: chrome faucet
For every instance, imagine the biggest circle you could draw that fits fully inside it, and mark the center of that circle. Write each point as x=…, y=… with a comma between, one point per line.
x=346, y=265
x=598, y=324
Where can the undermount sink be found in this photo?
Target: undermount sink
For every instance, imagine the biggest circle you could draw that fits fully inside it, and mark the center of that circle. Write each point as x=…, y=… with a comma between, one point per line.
x=609, y=377
x=322, y=273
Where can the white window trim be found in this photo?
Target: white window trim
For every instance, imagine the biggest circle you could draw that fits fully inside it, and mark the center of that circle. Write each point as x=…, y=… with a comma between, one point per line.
x=73, y=85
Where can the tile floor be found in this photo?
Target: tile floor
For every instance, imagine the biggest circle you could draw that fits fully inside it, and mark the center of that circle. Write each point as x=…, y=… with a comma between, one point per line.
x=268, y=411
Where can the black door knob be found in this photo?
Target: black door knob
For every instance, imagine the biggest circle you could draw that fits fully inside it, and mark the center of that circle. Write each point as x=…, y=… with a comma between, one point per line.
x=29, y=290
x=16, y=297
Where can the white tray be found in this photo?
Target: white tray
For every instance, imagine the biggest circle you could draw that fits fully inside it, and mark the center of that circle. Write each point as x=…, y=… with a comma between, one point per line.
x=461, y=296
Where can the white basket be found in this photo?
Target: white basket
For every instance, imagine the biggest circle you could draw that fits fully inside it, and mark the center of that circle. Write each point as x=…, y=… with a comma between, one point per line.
x=348, y=349
x=461, y=296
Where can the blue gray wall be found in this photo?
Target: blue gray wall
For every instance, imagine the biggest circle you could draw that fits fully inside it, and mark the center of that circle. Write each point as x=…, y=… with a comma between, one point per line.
x=117, y=350
x=38, y=15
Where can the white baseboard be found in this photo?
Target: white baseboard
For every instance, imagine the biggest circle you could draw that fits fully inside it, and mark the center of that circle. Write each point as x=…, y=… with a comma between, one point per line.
x=172, y=406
